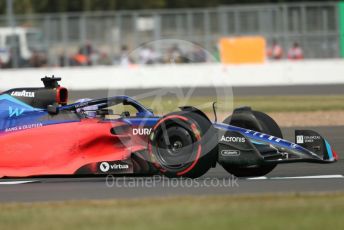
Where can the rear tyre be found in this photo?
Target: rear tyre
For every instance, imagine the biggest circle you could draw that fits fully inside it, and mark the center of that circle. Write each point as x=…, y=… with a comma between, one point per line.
x=182, y=145
x=269, y=126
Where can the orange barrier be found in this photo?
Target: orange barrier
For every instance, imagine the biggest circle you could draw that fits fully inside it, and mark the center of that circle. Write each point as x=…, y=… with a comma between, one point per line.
x=241, y=50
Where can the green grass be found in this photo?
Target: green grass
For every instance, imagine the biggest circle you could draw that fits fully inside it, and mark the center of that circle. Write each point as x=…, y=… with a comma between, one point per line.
x=263, y=103
x=289, y=211
x=293, y=103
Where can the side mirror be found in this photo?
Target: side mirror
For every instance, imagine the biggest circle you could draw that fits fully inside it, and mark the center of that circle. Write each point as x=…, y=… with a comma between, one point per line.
x=53, y=109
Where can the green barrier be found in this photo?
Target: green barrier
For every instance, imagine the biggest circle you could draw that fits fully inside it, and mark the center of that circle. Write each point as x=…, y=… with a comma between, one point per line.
x=341, y=27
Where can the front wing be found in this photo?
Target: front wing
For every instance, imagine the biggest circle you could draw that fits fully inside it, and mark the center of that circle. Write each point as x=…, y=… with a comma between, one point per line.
x=243, y=147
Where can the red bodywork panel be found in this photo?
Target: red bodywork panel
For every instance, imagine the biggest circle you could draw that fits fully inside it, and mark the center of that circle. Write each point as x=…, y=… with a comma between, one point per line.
x=62, y=149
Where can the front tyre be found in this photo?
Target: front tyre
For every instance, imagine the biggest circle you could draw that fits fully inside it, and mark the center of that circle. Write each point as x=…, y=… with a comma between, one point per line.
x=182, y=145
x=268, y=126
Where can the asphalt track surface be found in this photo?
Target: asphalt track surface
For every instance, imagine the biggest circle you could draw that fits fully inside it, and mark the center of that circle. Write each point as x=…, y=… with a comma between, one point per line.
x=209, y=91
x=297, y=177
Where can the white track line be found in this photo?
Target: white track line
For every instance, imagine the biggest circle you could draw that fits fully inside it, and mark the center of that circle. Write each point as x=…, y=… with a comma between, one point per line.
x=297, y=177
x=258, y=178
x=16, y=182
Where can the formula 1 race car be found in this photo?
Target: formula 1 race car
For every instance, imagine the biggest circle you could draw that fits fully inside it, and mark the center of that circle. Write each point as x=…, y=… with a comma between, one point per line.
x=42, y=135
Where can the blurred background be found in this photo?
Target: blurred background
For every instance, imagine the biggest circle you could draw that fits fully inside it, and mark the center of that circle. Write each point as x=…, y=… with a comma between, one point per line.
x=58, y=33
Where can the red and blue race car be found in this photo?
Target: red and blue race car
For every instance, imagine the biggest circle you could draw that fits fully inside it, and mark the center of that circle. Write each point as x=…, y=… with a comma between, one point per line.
x=42, y=135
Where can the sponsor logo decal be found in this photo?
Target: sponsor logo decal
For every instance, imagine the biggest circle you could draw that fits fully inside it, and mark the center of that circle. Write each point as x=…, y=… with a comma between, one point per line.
x=230, y=153
x=233, y=139
x=306, y=139
x=311, y=139
x=23, y=127
x=15, y=112
x=299, y=139
x=23, y=93
x=105, y=166
x=265, y=136
x=142, y=131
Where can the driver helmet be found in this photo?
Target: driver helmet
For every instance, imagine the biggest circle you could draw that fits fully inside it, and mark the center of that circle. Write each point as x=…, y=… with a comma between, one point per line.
x=89, y=111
